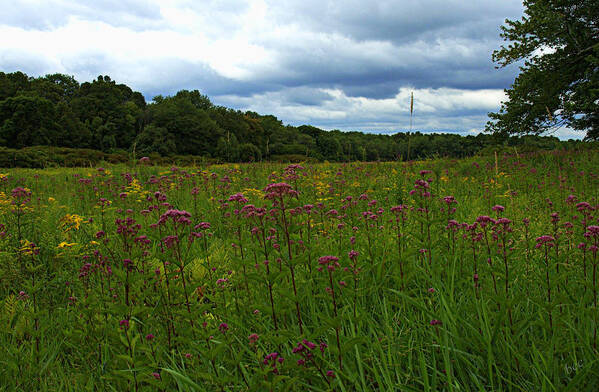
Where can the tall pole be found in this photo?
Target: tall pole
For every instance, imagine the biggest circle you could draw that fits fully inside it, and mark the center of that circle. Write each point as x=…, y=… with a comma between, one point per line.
x=411, y=113
x=411, y=109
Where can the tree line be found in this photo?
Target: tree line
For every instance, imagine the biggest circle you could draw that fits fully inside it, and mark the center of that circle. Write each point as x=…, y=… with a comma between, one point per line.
x=56, y=110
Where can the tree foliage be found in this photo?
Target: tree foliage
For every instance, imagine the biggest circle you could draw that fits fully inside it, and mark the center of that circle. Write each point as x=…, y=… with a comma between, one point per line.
x=55, y=110
x=558, y=84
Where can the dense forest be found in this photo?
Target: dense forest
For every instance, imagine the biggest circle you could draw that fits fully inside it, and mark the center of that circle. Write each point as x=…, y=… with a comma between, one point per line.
x=56, y=110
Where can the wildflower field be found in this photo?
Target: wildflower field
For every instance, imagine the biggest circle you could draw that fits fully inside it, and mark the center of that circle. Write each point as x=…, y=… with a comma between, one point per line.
x=473, y=275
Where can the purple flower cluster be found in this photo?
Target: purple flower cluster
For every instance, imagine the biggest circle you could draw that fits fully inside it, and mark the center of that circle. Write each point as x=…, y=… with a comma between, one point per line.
x=278, y=190
x=176, y=216
x=331, y=262
x=273, y=359
x=304, y=348
x=545, y=240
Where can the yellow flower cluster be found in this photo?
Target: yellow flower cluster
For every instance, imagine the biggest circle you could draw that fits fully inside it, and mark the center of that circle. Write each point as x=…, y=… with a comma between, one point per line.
x=253, y=194
x=71, y=222
x=4, y=200
x=320, y=187
x=27, y=247
x=65, y=244
x=135, y=190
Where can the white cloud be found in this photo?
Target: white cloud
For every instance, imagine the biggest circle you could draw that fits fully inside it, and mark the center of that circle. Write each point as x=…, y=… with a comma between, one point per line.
x=440, y=109
x=566, y=133
x=310, y=61
x=123, y=50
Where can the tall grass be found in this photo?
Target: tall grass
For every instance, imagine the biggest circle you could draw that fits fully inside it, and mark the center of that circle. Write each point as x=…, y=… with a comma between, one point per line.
x=477, y=274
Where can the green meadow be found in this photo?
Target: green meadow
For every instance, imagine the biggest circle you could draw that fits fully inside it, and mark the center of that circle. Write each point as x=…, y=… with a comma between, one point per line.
x=477, y=274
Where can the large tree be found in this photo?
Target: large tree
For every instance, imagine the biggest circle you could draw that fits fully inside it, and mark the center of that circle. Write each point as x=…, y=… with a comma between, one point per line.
x=557, y=44
x=27, y=121
x=112, y=112
x=189, y=126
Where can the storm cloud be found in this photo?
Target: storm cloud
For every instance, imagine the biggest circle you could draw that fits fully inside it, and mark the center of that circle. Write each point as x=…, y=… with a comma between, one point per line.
x=348, y=65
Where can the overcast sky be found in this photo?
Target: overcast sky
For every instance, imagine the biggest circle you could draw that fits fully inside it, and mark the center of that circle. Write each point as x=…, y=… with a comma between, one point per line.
x=348, y=65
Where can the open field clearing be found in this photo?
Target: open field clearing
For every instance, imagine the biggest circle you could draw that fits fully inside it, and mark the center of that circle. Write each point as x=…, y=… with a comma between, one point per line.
x=474, y=274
